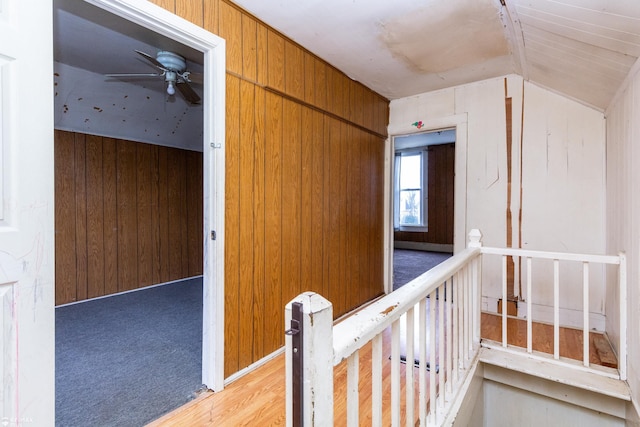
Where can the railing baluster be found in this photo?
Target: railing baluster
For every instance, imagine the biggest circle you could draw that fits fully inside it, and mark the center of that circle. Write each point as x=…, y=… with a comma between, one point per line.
x=556, y=309
x=410, y=358
x=457, y=337
x=353, y=400
x=465, y=317
x=529, y=307
x=449, y=334
x=422, y=367
x=376, y=381
x=585, y=313
x=622, y=272
x=441, y=344
x=395, y=373
x=504, y=300
x=432, y=357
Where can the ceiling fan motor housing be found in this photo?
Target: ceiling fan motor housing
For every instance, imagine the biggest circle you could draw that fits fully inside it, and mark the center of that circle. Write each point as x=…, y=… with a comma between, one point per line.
x=171, y=61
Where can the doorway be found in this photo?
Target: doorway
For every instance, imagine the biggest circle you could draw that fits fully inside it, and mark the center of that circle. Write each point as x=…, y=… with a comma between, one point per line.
x=158, y=26
x=423, y=202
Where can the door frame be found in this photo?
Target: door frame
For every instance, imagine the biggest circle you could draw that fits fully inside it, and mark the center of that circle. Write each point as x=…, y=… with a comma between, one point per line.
x=457, y=122
x=159, y=20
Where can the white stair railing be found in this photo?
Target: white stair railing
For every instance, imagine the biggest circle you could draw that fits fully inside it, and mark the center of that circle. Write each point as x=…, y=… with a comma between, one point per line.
x=434, y=320
x=555, y=258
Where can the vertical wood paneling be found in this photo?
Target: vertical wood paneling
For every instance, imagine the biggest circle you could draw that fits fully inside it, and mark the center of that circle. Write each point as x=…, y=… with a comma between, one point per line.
x=316, y=144
x=194, y=213
x=261, y=54
x=309, y=77
x=81, y=217
x=191, y=10
x=275, y=60
x=163, y=214
x=273, y=224
x=145, y=230
x=127, y=215
x=259, y=226
x=169, y=5
x=249, y=48
x=174, y=206
x=365, y=218
x=232, y=226
x=327, y=209
x=343, y=224
x=334, y=231
x=110, y=203
x=230, y=24
x=95, y=217
x=65, y=207
x=155, y=218
x=293, y=70
x=320, y=84
x=211, y=10
x=109, y=206
x=246, y=171
x=182, y=239
x=291, y=187
x=354, y=215
x=306, y=197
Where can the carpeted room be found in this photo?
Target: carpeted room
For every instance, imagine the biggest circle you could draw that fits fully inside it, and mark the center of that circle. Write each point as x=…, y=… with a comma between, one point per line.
x=124, y=347
x=128, y=210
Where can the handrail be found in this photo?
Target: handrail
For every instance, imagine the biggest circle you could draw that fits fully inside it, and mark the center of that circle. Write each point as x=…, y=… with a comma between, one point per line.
x=561, y=256
x=354, y=332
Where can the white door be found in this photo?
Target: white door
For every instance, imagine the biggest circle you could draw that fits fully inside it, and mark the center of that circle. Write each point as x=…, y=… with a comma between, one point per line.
x=26, y=214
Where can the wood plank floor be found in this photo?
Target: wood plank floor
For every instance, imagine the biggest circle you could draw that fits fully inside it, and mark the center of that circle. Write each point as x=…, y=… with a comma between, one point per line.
x=257, y=399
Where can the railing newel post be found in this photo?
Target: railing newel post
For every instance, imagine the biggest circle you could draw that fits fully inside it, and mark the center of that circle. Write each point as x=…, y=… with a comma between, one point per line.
x=316, y=328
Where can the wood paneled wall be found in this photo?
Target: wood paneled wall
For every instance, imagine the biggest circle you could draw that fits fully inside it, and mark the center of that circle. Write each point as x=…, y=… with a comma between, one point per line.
x=304, y=180
x=127, y=215
x=441, y=170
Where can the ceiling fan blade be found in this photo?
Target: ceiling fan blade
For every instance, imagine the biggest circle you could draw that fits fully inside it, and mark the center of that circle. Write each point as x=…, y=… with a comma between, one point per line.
x=187, y=91
x=134, y=75
x=151, y=59
x=196, y=78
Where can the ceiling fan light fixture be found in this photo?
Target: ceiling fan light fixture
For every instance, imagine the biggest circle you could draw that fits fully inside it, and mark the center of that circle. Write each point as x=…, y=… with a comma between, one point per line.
x=171, y=61
x=171, y=90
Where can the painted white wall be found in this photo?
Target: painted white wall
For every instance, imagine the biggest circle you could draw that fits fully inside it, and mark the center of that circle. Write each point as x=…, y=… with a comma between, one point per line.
x=623, y=211
x=563, y=174
x=135, y=112
x=511, y=406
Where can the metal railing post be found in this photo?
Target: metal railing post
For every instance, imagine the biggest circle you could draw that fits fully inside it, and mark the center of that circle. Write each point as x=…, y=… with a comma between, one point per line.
x=309, y=361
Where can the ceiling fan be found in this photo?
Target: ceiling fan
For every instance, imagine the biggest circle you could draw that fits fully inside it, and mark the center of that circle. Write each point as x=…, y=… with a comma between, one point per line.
x=173, y=68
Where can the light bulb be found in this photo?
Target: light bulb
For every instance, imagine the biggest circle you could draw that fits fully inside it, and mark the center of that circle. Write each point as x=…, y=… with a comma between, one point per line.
x=171, y=90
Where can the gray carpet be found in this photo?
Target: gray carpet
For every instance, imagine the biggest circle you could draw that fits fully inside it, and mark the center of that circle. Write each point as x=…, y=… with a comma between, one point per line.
x=409, y=264
x=126, y=360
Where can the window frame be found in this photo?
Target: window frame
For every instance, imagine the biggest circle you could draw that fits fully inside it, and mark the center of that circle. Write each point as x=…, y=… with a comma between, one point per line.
x=423, y=226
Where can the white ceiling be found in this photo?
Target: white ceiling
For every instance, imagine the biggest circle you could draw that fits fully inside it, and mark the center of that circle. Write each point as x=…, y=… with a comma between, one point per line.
x=583, y=49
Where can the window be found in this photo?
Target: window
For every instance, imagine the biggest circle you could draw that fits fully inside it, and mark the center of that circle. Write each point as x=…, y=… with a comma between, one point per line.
x=411, y=190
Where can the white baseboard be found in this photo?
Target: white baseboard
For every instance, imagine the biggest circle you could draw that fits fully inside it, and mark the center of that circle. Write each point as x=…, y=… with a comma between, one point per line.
x=422, y=246
x=544, y=314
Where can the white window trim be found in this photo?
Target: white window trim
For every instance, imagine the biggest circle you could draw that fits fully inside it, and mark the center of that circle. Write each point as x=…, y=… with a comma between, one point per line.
x=424, y=211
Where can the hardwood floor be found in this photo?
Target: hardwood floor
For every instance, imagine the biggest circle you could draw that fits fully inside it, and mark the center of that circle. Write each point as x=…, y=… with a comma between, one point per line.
x=258, y=398
x=570, y=339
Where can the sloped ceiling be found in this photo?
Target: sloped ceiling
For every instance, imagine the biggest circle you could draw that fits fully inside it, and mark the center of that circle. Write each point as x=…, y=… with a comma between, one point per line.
x=89, y=43
x=581, y=48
